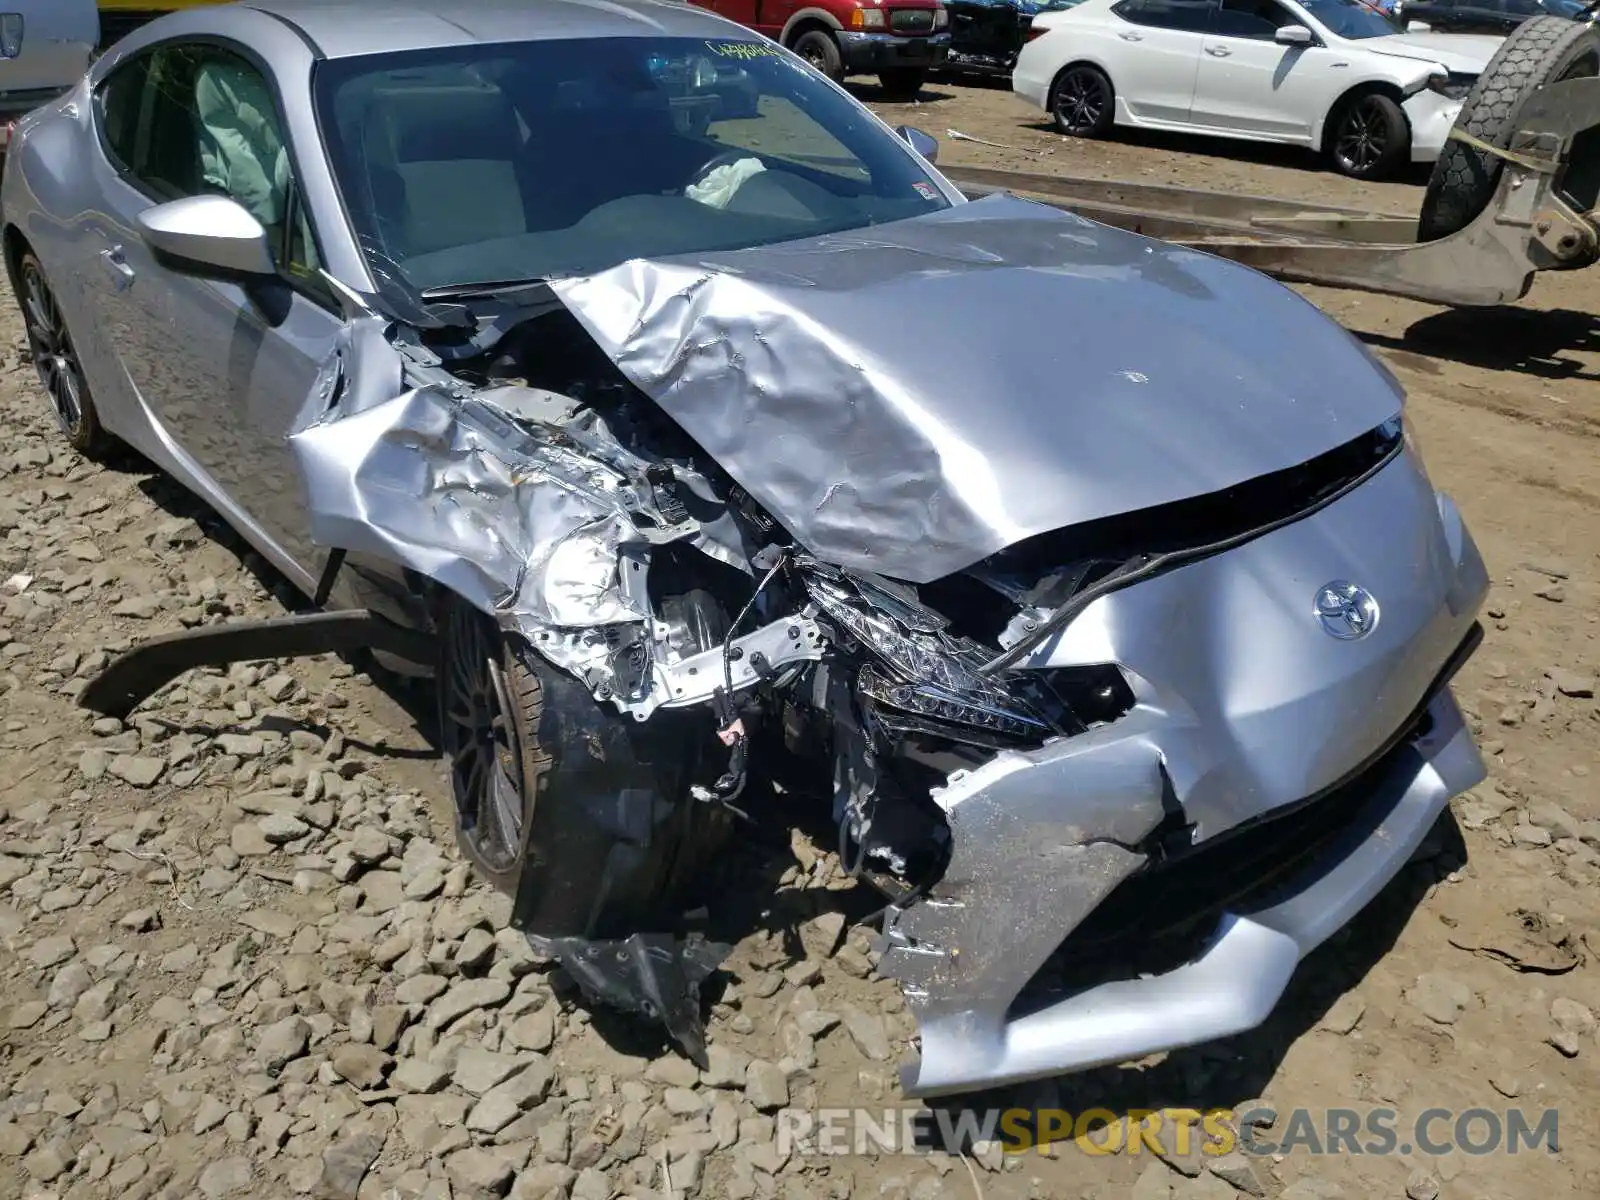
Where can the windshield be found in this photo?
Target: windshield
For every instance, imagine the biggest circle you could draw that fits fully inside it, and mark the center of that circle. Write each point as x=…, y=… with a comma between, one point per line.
x=1352, y=19
x=537, y=159
x=1571, y=9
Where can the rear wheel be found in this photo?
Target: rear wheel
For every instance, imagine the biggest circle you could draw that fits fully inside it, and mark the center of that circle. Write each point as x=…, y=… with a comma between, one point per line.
x=1082, y=103
x=819, y=49
x=1542, y=50
x=1370, y=137
x=902, y=83
x=55, y=358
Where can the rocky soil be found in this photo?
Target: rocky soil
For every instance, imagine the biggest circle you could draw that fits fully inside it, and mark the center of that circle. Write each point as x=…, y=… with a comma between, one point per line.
x=240, y=955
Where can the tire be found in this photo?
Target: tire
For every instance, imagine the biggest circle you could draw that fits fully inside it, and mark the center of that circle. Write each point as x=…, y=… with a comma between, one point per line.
x=819, y=49
x=55, y=358
x=577, y=810
x=1369, y=137
x=1540, y=51
x=902, y=84
x=1083, y=102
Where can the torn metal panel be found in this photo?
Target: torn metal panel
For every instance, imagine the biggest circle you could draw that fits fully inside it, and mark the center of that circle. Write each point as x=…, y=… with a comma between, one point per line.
x=521, y=502
x=1039, y=839
x=422, y=480
x=819, y=373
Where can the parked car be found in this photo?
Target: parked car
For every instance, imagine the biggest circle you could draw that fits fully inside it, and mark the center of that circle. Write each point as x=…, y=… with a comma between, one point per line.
x=899, y=41
x=1333, y=75
x=987, y=35
x=1488, y=16
x=45, y=47
x=723, y=464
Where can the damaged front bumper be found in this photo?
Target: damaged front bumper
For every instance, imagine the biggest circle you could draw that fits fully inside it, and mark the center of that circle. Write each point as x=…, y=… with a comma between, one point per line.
x=1239, y=974
x=1153, y=883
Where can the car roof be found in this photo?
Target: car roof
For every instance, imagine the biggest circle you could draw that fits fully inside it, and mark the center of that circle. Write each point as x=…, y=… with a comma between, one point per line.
x=345, y=28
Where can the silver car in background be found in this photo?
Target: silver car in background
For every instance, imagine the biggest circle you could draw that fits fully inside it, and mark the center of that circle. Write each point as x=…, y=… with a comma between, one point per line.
x=612, y=364
x=45, y=47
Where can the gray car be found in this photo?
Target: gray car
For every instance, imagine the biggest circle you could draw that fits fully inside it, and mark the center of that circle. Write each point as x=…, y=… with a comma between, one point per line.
x=609, y=363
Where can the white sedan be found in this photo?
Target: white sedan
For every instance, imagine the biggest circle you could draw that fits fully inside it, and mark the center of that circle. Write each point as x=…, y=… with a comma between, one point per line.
x=1335, y=75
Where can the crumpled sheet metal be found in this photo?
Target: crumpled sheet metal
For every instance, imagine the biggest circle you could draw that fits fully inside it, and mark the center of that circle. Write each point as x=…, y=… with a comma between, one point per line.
x=415, y=481
x=1038, y=840
x=913, y=397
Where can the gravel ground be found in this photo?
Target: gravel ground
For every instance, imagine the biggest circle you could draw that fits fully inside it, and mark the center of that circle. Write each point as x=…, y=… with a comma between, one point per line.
x=241, y=956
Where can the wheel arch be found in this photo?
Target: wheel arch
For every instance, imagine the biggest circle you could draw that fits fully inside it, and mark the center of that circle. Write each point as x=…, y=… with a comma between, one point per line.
x=1079, y=60
x=805, y=21
x=13, y=244
x=1322, y=137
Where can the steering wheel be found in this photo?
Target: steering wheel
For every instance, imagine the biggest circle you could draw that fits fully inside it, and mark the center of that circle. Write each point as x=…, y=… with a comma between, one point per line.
x=723, y=159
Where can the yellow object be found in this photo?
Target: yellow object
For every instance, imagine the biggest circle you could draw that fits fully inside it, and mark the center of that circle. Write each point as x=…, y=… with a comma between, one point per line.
x=151, y=6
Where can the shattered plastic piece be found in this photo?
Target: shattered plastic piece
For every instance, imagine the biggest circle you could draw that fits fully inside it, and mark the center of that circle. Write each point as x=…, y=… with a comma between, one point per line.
x=652, y=975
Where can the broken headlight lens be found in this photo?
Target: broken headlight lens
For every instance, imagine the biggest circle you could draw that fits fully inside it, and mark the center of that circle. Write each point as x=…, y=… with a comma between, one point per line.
x=934, y=703
x=925, y=673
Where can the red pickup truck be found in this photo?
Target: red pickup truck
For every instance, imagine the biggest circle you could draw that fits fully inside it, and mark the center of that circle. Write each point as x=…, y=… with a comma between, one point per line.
x=899, y=41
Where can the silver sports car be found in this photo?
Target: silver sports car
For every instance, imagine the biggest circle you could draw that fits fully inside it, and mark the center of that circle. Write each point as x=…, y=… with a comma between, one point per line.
x=605, y=360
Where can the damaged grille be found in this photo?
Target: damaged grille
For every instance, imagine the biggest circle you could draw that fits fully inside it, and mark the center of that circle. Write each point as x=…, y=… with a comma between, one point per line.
x=911, y=20
x=1253, y=507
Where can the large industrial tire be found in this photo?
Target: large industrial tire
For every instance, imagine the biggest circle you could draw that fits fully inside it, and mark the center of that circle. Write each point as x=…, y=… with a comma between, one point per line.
x=1542, y=50
x=577, y=810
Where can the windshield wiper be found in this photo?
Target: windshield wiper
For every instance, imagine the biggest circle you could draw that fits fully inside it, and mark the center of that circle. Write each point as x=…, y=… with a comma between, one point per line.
x=488, y=287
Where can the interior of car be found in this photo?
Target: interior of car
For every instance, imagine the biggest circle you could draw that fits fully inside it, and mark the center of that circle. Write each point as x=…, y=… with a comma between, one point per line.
x=569, y=171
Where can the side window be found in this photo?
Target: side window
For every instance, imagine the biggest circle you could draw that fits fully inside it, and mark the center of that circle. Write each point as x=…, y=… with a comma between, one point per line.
x=1191, y=16
x=195, y=119
x=120, y=102
x=1253, y=18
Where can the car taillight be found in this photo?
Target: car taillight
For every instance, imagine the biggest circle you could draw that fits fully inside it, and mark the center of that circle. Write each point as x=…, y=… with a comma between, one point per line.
x=1035, y=32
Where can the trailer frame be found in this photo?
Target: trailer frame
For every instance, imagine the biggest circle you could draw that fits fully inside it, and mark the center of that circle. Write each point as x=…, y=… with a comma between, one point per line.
x=1529, y=225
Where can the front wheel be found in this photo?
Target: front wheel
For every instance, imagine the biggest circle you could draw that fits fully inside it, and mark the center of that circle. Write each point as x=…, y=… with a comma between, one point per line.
x=1370, y=137
x=1082, y=103
x=582, y=814
x=819, y=49
x=902, y=84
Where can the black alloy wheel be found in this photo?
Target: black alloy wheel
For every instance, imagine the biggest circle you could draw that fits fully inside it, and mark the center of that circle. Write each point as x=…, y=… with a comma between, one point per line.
x=1083, y=102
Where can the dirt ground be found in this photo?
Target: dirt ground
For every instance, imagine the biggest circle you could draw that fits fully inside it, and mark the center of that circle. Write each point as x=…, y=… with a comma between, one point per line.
x=239, y=953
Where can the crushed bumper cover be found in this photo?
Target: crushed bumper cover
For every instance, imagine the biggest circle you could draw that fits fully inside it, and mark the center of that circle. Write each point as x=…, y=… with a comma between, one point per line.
x=1213, y=761
x=1240, y=974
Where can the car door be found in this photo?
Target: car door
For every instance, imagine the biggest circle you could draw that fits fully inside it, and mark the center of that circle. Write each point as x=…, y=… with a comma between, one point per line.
x=1152, y=53
x=1250, y=84
x=221, y=369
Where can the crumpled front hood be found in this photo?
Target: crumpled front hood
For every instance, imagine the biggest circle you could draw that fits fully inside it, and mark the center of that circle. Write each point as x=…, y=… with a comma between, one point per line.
x=1465, y=52
x=914, y=397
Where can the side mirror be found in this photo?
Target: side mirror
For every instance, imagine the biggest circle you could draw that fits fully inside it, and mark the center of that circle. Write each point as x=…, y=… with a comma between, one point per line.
x=1418, y=27
x=924, y=144
x=208, y=235
x=1292, y=35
